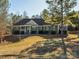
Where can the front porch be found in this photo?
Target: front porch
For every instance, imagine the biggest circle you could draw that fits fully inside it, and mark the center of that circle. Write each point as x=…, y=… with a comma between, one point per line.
x=28, y=29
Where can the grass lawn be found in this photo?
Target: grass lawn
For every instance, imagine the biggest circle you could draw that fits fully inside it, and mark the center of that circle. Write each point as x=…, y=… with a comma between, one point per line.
x=73, y=38
x=15, y=48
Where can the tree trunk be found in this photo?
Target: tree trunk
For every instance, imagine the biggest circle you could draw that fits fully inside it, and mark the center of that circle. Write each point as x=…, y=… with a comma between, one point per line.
x=62, y=37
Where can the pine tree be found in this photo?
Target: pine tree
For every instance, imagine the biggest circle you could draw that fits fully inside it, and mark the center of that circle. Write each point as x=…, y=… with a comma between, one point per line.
x=58, y=10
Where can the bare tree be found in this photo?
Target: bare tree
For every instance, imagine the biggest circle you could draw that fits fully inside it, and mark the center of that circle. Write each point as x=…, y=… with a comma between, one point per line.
x=3, y=16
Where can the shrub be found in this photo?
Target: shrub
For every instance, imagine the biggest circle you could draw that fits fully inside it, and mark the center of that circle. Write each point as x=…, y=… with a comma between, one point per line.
x=64, y=32
x=33, y=32
x=15, y=32
x=22, y=32
x=71, y=28
x=53, y=32
x=40, y=32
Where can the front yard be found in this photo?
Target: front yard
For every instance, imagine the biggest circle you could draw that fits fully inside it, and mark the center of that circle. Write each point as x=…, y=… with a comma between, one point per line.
x=17, y=47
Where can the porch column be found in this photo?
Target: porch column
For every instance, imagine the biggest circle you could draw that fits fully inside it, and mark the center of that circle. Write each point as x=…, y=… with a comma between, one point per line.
x=57, y=29
x=30, y=29
x=24, y=29
x=66, y=28
x=50, y=29
x=20, y=29
x=42, y=28
x=37, y=29
x=20, y=32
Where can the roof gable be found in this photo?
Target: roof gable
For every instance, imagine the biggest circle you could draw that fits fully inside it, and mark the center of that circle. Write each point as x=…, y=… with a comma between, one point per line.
x=31, y=22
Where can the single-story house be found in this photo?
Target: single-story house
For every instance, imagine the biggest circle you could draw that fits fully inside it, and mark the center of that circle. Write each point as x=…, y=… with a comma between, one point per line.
x=35, y=26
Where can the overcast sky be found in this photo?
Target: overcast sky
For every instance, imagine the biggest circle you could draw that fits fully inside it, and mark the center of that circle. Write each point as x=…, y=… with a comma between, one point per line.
x=32, y=7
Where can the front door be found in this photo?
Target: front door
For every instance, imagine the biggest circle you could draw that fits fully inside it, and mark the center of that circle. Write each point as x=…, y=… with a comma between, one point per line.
x=33, y=29
x=27, y=30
